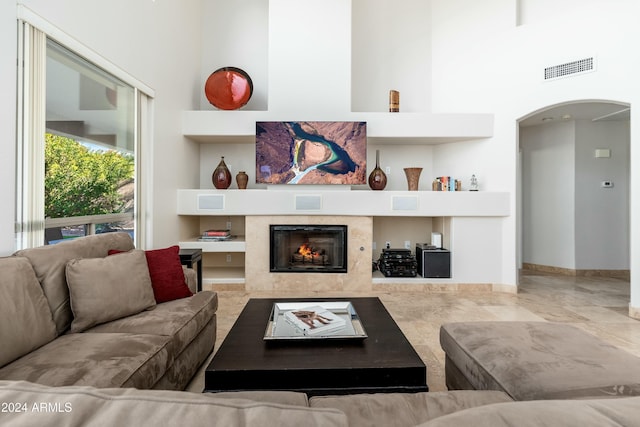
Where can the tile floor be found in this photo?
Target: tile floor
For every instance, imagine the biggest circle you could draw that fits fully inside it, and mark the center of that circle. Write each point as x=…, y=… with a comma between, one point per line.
x=596, y=304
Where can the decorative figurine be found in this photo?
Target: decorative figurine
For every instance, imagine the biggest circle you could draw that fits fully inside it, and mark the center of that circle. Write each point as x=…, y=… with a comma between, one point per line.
x=474, y=183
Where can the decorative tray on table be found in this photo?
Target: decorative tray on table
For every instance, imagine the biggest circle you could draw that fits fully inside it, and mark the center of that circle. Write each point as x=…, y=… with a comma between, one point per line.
x=311, y=320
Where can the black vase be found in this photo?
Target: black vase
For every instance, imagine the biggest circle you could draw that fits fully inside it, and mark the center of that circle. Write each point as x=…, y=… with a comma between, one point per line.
x=221, y=176
x=377, y=177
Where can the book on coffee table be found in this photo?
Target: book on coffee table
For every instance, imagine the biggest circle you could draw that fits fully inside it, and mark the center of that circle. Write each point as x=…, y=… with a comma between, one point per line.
x=279, y=328
x=314, y=320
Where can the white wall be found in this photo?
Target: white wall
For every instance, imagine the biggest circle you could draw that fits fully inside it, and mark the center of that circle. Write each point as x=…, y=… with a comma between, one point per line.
x=158, y=43
x=602, y=214
x=391, y=49
x=7, y=125
x=493, y=65
x=236, y=34
x=548, y=200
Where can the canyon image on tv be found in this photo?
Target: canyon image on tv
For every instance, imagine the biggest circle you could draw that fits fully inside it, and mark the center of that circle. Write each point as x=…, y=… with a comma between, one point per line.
x=311, y=153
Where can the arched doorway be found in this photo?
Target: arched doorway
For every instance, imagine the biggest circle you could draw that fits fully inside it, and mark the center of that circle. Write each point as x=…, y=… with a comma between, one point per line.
x=573, y=190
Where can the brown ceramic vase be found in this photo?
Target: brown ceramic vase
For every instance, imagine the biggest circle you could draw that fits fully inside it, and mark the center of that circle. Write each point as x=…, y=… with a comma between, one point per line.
x=242, y=179
x=413, y=178
x=221, y=176
x=377, y=177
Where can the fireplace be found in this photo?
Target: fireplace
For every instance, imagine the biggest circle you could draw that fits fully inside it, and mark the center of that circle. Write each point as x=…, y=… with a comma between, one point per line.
x=308, y=248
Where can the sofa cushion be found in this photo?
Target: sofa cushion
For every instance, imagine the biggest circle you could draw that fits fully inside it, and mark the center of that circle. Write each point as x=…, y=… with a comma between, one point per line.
x=99, y=360
x=25, y=318
x=180, y=319
x=565, y=413
x=538, y=360
x=49, y=263
x=82, y=406
x=272, y=396
x=167, y=275
x=405, y=409
x=105, y=289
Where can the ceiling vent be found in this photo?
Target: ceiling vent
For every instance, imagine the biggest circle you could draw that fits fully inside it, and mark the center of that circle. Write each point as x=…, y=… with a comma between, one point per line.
x=570, y=68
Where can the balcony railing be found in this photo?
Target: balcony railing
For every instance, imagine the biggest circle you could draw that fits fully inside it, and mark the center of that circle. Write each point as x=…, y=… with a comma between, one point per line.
x=54, y=226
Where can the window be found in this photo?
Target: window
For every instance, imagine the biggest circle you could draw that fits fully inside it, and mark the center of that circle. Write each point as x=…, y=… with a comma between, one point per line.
x=89, y=148
x=81, y=124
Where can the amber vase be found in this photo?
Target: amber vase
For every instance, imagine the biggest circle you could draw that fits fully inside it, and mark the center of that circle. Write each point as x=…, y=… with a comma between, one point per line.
x=413, y=178
x=221, y=176
x=242, y=179
x=377, y=177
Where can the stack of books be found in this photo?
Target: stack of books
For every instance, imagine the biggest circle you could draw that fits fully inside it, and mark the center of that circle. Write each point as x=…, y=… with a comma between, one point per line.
x=315, y=320
x=215, y=235
x=446, y=183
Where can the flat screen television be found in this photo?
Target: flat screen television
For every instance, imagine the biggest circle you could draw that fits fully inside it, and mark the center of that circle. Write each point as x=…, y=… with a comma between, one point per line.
x=311, y=153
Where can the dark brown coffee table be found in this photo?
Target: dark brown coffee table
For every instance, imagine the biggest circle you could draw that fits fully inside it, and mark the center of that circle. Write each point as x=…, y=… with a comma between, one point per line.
x=383, y=362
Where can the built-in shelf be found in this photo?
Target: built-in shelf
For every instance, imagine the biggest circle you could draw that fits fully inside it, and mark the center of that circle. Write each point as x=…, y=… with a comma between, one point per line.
x=223, y=275
x=237, y=244
x=307, y=201
x=382, y=128
x=378, y=278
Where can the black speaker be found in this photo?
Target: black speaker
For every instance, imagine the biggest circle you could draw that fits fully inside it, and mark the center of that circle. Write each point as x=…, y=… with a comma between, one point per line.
x=433, y=263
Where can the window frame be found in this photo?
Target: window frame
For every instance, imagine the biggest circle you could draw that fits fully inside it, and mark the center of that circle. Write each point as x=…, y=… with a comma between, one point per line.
x=33, y=32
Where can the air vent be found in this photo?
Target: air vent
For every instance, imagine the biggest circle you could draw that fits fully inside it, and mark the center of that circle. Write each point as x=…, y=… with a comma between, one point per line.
x=570, y=68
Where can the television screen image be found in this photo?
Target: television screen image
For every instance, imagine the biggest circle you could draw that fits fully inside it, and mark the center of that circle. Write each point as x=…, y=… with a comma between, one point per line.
x=311, y=153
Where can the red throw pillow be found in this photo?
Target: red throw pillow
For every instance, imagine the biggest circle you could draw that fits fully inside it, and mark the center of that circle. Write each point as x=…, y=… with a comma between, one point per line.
x=167, y=276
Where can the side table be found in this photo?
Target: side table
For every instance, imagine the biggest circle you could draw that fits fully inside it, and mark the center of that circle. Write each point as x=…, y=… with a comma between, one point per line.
x=190, y=256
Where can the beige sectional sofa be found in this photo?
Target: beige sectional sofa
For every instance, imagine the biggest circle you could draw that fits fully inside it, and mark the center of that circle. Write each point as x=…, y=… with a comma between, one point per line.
x=82, y=339
x=72, y=315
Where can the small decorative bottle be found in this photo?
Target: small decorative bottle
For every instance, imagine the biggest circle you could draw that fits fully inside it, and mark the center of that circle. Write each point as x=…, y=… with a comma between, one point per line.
x=394, y=101
x=221, y=176
x=473, y=186
x=377, y=178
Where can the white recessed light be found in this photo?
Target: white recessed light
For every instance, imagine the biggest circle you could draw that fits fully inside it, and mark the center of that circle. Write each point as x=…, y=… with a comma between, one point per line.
x=566, y=117
x=547, y=119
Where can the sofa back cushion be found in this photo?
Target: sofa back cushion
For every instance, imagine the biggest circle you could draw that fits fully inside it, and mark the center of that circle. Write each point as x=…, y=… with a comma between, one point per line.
x=106, y=289
x=167, y=274
x=565, y=413
x=81, y=406
x=49, y=263
x=25, y=318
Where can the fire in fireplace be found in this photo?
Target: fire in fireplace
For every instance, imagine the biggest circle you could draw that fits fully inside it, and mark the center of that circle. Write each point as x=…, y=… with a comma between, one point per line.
x=308, y=248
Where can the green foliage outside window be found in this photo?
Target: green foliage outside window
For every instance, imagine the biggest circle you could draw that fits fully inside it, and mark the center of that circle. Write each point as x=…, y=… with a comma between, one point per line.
x=80, y=181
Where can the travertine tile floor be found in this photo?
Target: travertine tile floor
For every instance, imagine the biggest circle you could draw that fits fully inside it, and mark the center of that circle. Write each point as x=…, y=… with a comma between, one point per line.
x=596, y=304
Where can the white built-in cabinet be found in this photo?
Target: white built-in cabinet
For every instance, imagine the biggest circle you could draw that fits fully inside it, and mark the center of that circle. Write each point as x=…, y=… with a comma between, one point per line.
x=302, y=73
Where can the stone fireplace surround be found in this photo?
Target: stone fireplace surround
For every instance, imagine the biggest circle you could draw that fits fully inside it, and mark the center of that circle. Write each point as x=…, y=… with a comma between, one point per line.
x=357, y=277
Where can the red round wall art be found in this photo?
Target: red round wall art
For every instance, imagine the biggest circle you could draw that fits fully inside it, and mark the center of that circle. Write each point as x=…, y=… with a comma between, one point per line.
x=228, y=88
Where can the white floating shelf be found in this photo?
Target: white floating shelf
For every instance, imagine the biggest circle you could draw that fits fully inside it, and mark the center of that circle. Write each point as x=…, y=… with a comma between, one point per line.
x=400, y=128
x=342, y=202
x=235, y=245
x=223, y=275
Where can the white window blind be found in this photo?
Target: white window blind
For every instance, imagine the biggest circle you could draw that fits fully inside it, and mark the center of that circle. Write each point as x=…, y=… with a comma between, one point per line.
x=32, y=56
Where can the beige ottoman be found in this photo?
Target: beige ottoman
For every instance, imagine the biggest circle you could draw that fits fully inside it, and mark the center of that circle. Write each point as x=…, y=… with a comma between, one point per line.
x=536, y=360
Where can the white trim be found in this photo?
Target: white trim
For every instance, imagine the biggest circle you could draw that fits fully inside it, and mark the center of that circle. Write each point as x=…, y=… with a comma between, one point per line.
x=29, y=16
x=144, y=177
x=32, y=56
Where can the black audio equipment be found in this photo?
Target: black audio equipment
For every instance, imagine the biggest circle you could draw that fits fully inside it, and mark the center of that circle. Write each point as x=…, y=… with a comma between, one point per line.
x=433, y=263
x=397, y=263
